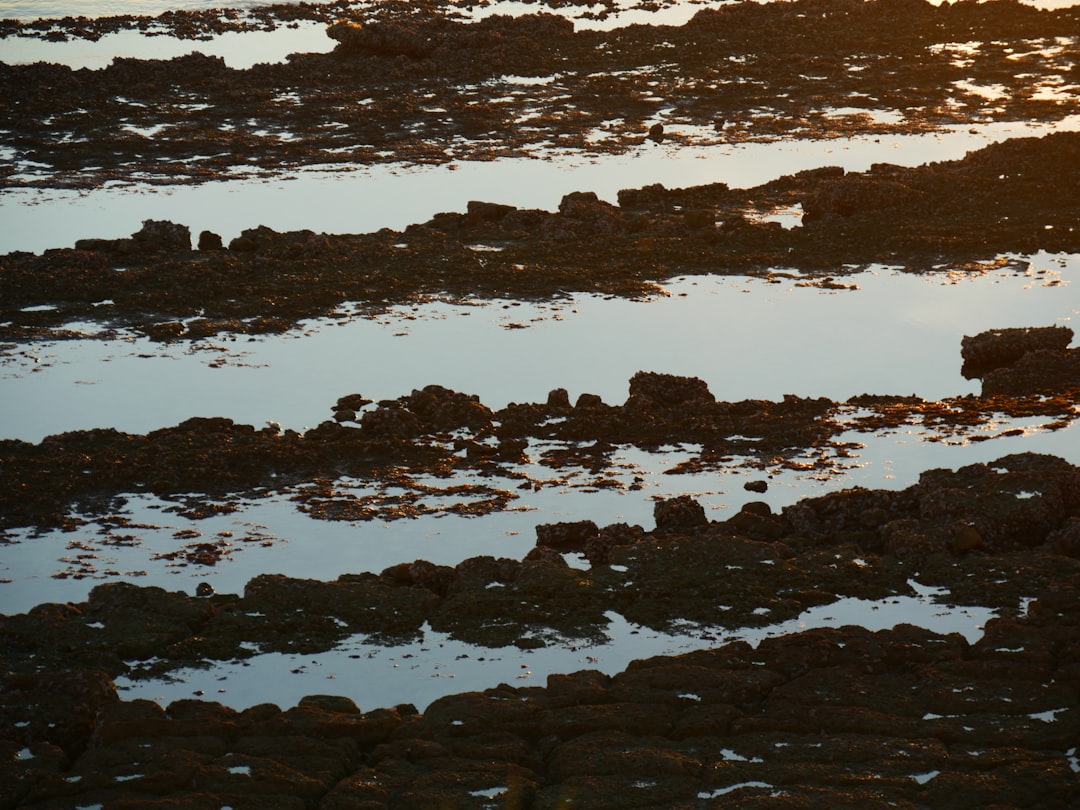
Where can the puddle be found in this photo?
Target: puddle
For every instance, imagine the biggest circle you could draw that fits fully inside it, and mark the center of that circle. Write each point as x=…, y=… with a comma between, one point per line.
x=747, y=338
x=363, y=200
x=240, y=50
x=146, y=540
x=438, y=665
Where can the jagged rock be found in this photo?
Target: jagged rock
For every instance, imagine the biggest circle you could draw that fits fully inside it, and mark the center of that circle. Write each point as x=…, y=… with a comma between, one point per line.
x=996, y=348
x=162, y=236
x=567, y=536
x=681, y=512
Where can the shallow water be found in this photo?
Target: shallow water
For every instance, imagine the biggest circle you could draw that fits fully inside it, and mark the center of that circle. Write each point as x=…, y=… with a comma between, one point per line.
x=366, y=199
x=421, y=672
x=898, y=333
x=240, y=50
x=270, y=535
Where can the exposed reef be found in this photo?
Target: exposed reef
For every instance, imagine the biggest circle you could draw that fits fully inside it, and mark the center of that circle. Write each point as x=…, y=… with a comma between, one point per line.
x=825, y=717
x=409, y=84
x=1020, y=196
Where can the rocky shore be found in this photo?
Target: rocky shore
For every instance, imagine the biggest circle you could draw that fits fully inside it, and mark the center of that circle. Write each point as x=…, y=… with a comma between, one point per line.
x=406, y=83
x=820, y=718
x=1019, y=196
x=841, y=717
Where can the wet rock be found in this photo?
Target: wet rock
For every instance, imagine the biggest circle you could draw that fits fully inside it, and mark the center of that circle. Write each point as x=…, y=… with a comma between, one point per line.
x=851, y=196
x=1066, y=540
x=60, y=708
x=443, y=409
x=558, y=398
x=681, y=512
x=208, y=240
x=582, y=214
x=351, y=402
x=170, y=330
x=697, y=219
x=391, y=421
x=588, y=402
x=598, y=549
x=997, y=348
x=567, y=536
x=756, y=486
x=1015, y=501
x=1041, y=370
x=667, y=390
x=159, y=236
x=488, y=211
x=385, y=38
x=655, y=198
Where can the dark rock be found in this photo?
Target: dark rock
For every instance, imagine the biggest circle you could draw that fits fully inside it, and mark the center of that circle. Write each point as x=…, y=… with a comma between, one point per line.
x=681, y=512
x=589, y=401
x=61, y=707
x=1066, y=540
x=697, y=219
x=997, y=348
x=756, y=486
x=656, y=133
x=488, y=211
x=385, y=38
x=1042, y=370
x=443, y=409
x=648, y=387
x=851, y=196
x=567, y=536
x=157, y=236
x=654, y=198
x=558, y=398
x=210, y=241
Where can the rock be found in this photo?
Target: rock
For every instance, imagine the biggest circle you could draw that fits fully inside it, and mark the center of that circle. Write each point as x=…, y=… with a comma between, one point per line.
x=1045, y=370
x=210, y=241
x=442, y=409
x=578, y=202
x=756, y=486
x=61, y=708
x=697, y=219
x=589, y=401
x=488, y=211
x=997, y=348
x=351, y=402
x=170, y=330
x=668, y=390
x=681, y=512
x=157, y=236
x=1066, y=540
x=385, y=38
x=558, y=398
x=566, y=536
x=598, y=548
x=655, y=198
x=656, y=133
x=391, y=422
x=583, y=215
x=243, y=244
x=851, y=196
